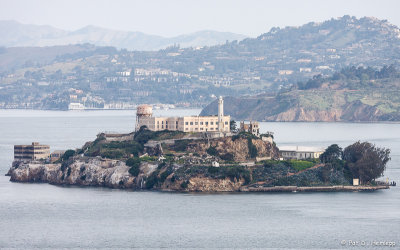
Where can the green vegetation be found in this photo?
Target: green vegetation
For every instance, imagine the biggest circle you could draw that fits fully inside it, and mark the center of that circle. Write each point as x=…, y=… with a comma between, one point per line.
x=352, y=77
x=212, y=151
x=114, y=149
x=152, y=180
x=228, y=157
x=181, y=145
x=233, y=126
x=252, y=148
x=69, y=153
x=144, y=135
x=299, y=165
x=332, y=153
x=231, y=172
x=184, y=184
x=134, y=164
x=366, y=161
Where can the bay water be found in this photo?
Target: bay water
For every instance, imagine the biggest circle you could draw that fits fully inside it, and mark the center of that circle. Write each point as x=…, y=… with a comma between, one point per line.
x=46, y=216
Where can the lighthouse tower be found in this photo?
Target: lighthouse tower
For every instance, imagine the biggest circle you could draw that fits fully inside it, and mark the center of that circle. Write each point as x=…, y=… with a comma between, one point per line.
x=220, y=114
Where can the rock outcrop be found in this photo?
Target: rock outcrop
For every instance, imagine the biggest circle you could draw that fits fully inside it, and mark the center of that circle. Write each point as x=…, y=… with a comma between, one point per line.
x=238, y=148
x=82, y=171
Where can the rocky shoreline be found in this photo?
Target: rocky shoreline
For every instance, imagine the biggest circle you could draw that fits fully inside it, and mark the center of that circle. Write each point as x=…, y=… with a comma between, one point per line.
x=115, y=174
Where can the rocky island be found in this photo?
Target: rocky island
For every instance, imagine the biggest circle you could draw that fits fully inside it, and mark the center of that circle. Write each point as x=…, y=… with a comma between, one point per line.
x=178, y=161
x=202, y=154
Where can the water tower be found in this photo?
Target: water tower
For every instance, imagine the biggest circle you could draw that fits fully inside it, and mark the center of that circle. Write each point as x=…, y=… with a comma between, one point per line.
x=142, y=111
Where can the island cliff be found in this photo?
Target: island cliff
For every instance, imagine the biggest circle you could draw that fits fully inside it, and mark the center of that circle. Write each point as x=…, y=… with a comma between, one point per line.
x=177, y=161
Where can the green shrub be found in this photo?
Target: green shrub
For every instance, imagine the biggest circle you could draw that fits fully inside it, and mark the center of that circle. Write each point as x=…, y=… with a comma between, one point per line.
x=212, y=151
x=152, y=180
x=238, y=172
x=134, y=171
x=134, y=164
x=181, y=145
x=184, y=184
x=227, y=157
x=69, y=153
x=112, y=154
x=164, y=175
x=252, y=148
x=213, y=170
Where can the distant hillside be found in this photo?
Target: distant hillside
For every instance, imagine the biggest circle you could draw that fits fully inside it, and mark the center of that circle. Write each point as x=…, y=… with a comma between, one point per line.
x=15, y=34
x=272, y=63
x=353, y=94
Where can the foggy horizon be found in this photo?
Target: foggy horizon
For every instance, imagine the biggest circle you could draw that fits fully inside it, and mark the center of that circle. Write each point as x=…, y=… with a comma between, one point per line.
x=174, y=18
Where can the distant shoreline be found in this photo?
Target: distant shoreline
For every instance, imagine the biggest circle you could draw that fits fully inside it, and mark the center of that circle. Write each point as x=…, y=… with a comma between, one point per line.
x=188, y=108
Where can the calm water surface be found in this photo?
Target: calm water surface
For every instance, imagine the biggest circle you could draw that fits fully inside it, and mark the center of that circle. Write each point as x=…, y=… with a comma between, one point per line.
x=42, y=215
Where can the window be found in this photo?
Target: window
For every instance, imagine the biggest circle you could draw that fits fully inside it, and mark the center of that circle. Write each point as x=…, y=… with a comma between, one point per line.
x=212, y=123
x=206, y=123
x=226, y=123
x=158, y=122
x=162, y=122
x=196, y=123
x=187, y=128
x=186, y=123
x=191, y=123
x=211, y=128
x=196, y=129
x=201, y=123
x=201, y=128
x=166, y=122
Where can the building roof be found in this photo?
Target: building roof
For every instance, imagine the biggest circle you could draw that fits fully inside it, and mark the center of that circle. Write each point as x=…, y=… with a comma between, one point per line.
x=301, y=149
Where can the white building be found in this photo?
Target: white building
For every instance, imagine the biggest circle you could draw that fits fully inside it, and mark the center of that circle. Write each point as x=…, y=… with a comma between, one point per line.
x=300, y=152
x=76, y=106
x=216, y=123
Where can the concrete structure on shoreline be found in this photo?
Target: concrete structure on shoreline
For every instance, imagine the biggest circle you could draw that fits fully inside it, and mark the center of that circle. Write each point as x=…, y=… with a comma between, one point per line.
x=35, y=151
x=219, y=123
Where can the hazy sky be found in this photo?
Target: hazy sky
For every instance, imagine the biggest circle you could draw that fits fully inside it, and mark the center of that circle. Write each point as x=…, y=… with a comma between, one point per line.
x=175, y=17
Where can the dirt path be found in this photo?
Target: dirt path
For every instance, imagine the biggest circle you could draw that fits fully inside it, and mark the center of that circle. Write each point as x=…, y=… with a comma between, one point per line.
x=307, y=169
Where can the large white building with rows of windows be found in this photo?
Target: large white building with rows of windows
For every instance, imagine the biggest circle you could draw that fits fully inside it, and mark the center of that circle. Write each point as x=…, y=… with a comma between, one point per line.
x=217, y=123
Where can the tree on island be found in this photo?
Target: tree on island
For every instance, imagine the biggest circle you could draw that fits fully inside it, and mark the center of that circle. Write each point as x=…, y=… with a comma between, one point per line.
x=331, y=154
x=233, y=126
x=366, y=161
x=69, y=153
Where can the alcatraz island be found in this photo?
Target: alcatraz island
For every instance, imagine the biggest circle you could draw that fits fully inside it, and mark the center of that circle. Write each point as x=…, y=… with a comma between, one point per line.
x=201, y=154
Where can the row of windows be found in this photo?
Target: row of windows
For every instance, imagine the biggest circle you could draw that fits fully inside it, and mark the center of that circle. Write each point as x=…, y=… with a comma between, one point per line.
x=166, y=122
x=201, y=123
x=201, y=129
x=166, y=126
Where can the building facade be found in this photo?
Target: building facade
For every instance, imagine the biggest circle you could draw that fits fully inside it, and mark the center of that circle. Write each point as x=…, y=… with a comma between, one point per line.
x=35, y=151
x=56, y=155
x=251, y=127
x=299, y=153
x=217, y=123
